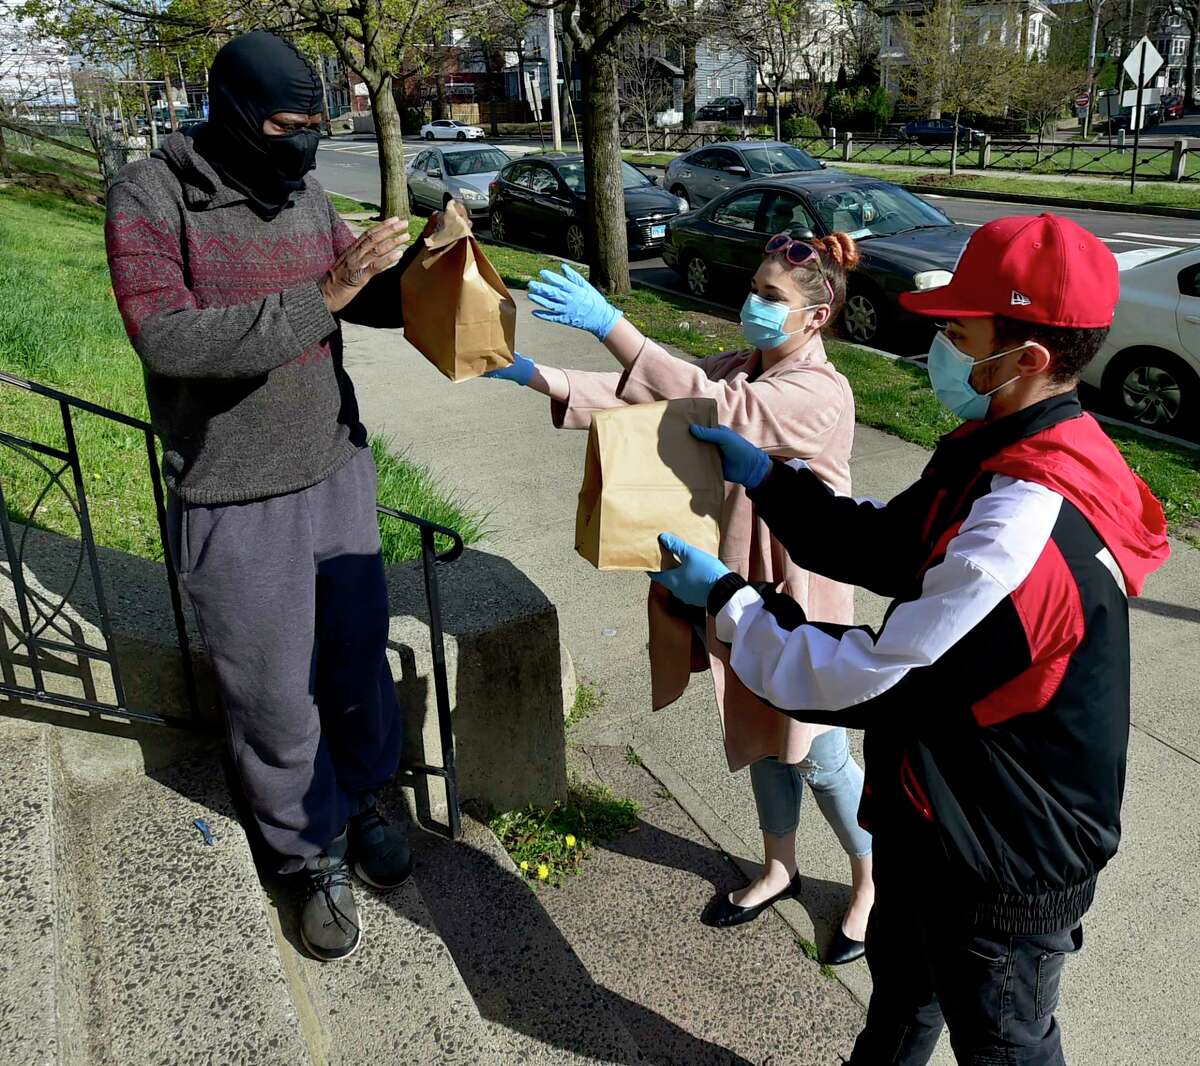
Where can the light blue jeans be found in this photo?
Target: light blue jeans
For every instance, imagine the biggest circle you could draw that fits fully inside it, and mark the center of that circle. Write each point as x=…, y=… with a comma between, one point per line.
x=837, y=783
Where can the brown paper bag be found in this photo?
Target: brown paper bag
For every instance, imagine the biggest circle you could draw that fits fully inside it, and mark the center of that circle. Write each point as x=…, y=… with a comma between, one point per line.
x=645, y=474
x=457, y=311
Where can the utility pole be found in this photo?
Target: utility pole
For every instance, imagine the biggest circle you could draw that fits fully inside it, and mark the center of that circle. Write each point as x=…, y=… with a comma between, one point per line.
x=552, y=37
x=1087, y=119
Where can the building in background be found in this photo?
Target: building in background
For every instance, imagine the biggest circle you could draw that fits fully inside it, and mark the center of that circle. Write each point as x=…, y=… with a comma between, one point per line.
x=1022, y=25
x=1171, y=40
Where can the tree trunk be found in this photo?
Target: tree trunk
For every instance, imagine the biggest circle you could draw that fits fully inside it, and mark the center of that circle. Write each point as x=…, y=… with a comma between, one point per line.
x=689, y=70
x=170, y=95
x=5, y=166
x=489, y=65
x=954, y=147
x=778, y=112
x=567, y=75
x=607, y=243
x=1189, y=75
x=326, y=119
x=392, y=185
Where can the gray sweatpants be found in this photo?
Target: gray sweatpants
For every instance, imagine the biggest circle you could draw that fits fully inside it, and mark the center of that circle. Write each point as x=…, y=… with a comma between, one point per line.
x=291, y=602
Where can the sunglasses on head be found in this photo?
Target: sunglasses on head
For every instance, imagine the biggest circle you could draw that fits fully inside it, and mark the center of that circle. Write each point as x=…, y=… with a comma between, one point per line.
x=797, y=253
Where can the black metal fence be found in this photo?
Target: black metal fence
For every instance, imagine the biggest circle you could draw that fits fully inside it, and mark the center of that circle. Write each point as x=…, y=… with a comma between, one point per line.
x=44, y=640
x=1101, y=159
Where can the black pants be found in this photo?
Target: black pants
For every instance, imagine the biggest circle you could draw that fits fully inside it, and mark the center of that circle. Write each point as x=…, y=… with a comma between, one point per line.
x=997, y=993
x=290, y=598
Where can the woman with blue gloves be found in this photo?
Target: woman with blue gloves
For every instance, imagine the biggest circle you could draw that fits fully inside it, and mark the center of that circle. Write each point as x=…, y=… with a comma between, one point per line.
x=783, y=393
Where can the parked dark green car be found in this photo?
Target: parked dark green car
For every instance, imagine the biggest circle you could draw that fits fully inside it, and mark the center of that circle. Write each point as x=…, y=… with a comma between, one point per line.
x=905, y=243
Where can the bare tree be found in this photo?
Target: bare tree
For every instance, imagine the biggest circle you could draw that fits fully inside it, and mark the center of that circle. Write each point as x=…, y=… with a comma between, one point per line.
x=643, y=91
x=956, y=64
x=1042, y=91
x=773, y=34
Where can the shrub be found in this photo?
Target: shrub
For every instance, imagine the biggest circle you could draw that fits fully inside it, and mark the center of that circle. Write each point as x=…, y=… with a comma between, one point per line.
x=799, y=127
x=411, y=119
x=727, y=131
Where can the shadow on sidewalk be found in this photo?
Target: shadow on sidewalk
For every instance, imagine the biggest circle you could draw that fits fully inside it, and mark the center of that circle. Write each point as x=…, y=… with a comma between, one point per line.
x=524, y=975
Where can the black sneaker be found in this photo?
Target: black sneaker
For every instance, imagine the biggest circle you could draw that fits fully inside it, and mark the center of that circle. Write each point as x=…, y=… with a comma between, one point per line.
x=329, y=923
x=380, y=851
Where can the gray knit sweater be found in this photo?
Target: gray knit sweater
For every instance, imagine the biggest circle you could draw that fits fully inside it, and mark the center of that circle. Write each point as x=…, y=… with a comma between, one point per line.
x=243, y=362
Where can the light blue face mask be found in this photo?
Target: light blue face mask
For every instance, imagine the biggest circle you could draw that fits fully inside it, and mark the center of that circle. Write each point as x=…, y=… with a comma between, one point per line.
x=763, y=320
x=950, y=375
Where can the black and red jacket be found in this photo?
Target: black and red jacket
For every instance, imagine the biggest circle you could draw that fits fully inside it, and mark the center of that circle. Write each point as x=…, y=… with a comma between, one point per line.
x=995, y=696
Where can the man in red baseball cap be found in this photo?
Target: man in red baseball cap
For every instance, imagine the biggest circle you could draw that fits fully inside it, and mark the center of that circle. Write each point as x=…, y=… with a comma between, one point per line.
x=995, y=696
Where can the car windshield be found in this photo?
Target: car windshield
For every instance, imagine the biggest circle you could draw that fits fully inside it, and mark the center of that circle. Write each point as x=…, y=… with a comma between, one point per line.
x=876, y=211
x=631, y=177
x=484, y=161
x=779, y=159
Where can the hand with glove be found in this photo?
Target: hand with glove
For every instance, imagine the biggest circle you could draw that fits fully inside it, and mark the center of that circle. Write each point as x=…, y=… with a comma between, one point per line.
x=741, y=462
x=692, y=580
x=519, y=370
x=568, y=299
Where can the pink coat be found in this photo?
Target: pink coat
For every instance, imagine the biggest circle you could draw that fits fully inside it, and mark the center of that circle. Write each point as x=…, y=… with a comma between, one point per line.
x=800, y=408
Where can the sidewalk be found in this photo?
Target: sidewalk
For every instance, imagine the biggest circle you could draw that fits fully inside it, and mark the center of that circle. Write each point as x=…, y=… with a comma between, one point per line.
x=1131, y=997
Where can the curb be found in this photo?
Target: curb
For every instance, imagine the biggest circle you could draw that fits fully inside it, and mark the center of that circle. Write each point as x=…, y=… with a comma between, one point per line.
x=1055, y=201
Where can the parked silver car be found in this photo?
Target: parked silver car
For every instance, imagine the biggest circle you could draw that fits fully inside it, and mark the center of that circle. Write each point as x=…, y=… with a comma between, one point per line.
x=703, y=174
x=459, y=172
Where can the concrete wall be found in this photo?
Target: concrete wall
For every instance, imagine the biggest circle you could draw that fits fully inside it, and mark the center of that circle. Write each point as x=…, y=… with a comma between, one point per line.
x=507, y=675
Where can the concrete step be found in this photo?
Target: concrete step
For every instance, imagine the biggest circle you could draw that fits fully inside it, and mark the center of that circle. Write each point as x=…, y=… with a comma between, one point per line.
x=131, y=941
x=398, y=998
x=28, y=981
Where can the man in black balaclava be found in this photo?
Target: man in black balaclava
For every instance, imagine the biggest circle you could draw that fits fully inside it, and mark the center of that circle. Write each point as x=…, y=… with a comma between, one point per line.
x=233, y=272
x=264, y=115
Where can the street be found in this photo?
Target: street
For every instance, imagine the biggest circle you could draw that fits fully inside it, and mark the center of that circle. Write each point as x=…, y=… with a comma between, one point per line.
x=351, y=167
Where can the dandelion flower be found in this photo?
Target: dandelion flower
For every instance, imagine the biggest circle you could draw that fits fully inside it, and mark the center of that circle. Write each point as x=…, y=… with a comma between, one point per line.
x=543, y=872
x=570, y=841
x=524, y=867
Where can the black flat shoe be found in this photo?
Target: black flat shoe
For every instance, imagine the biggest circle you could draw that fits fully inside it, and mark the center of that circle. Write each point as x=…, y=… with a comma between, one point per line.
x=843, y=950
x=721, y=913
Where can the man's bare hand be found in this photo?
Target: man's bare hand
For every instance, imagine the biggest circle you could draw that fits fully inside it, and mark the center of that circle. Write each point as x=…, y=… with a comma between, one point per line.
x=374, y=252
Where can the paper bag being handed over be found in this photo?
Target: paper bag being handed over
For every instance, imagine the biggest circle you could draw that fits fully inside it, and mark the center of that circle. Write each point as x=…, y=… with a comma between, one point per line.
x=646, y=474
x=457, y=312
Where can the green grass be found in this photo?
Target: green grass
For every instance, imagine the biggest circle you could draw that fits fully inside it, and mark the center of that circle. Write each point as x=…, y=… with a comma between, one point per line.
x=549, y=845
x=1149, y=193
x=890, y=395
x=345, y=205
x=588, y=701
x=59, y=326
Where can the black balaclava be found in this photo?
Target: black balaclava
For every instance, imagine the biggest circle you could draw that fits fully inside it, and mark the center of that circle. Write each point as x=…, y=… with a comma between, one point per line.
x=254, y=77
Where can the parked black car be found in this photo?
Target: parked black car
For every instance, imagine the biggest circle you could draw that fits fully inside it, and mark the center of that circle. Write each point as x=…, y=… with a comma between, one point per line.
x=544, y=196
x=941, y=131
x=905, y=243
x=721, y=109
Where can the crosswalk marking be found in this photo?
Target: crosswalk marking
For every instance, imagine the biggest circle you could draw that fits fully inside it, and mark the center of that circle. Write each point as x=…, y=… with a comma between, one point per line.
x=1160, y=237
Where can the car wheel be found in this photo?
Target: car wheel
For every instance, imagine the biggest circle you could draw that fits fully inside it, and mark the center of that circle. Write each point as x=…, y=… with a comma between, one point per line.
x=461, y=137
x=576, y=242
x=698, y=275
x=429, y=136
x=498, y=226
x=1153, y=388
x=681, y=192
x=412, y=202
x=864, y=315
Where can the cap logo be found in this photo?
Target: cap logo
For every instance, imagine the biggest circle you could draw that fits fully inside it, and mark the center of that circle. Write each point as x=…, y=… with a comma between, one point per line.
x=1019, y=299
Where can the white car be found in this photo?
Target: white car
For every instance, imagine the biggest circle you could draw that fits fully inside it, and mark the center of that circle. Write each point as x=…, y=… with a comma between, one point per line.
x=448, y=129
x=1149, y=368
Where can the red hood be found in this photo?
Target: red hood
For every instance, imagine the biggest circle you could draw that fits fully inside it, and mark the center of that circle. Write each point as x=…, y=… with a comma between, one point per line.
x=1077, y=460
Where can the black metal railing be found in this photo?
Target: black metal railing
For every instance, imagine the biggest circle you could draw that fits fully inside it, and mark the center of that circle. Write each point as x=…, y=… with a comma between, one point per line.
x=36, y=618
x=42, y=629
x=431, y=558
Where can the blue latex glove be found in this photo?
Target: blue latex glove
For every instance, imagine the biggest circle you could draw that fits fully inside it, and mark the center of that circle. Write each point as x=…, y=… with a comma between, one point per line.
x=568, y=299
x=519, y=370
x=741, y=462
x=696, y=574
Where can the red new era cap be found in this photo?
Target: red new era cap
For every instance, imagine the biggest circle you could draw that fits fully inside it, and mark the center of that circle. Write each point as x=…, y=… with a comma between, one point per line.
x=1043, y=269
